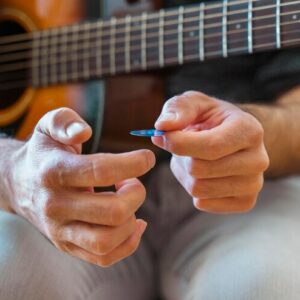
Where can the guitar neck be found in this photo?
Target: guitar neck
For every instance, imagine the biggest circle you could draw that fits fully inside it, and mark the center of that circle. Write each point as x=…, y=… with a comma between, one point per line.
x=164, y=38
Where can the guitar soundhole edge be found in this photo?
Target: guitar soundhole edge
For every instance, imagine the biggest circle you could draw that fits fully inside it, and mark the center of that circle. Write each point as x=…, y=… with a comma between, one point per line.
x=14, y=55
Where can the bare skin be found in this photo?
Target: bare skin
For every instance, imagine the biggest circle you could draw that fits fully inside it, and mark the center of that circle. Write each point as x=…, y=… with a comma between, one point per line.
x=218, y=151
x=50, y=184
x=221, y=167
x=221, y=151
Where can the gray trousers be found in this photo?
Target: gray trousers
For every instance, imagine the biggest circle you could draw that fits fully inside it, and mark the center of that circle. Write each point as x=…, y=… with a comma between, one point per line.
x=185, y=254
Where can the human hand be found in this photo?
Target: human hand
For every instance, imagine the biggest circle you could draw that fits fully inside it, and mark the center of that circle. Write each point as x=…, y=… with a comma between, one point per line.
x=52, y=186
x=218, y=151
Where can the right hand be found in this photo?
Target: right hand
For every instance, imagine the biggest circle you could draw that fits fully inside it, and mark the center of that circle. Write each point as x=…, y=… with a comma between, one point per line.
x=52, y=186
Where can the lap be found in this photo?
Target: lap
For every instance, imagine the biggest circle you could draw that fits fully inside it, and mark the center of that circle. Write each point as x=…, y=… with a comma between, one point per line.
x=35, y=269
x=250, y=256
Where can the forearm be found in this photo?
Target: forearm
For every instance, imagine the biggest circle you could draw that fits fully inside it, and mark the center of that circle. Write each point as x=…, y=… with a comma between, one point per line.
x=7, y=149
x=281, y=123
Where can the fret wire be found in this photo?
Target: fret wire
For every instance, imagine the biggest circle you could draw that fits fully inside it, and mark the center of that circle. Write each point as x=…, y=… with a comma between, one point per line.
x=278, y=39
x=64, y=46
x=161, y=38
x=201, y=31
x=35, y=60
x=224, y=29
x=94, y=25
x=99, y=48
x=174, y=60
x=154, y=45
x=170, y=13
x=215, y=25
x=86, y=55
x=127, y=44
x=113, y=46
x=180, y=34
x=235, y=22
x=44, y=52
x=74, y=50
x=290, y=42
x=53, y=59
x=250, y=35
x=242, y=20
x=11, y=68
x=144, y=41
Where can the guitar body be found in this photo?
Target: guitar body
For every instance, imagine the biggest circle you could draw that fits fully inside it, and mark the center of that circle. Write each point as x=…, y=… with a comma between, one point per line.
x=125, y=97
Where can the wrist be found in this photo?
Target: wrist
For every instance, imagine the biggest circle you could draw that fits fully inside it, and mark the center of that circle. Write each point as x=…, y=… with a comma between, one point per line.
x=275, y=120
x=8, y=160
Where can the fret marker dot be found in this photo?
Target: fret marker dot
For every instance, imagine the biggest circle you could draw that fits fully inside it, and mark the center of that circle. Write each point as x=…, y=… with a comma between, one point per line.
x=192, y=33
x=295, y=17
x=238, y=26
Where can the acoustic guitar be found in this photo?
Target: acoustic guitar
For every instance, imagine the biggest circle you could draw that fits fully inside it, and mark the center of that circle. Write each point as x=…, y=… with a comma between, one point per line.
x=49, y=52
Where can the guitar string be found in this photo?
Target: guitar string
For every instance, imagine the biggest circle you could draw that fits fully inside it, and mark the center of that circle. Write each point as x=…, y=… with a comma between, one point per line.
x=24, y=84
x=134, y=38
x=16, y=47
x=56, y=50
x=154, y=45
x=154, y=64
x=186, y=40
x=22, y=65
x=89, y=26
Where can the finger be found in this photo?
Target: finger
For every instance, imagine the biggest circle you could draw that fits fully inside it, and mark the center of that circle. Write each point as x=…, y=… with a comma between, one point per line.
x=107, y=208
x=124, y=250
x=99, y=240
x=217, y=187
x=244, y=162
x=105, y=169
x=65, y=126
x=184, y=110
x=226, y=205
x=233, y=135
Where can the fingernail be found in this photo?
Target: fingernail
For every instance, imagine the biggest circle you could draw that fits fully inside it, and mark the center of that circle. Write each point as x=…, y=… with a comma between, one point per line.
x=151, y=159
x=168, y=116
x=142, y=227
x=75, y=128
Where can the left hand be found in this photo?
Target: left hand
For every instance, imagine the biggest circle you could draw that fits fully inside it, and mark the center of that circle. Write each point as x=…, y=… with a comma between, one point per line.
x=218, y=151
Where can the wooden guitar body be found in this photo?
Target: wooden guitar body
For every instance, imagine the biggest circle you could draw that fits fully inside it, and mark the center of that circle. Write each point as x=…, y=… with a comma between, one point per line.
x=125, y=96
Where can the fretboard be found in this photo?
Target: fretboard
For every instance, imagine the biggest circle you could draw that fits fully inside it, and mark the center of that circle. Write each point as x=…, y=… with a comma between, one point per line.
x=164, y=38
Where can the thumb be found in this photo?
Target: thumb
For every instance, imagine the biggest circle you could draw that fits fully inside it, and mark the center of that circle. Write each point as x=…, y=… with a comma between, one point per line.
x=65, y=126
x=182, y=111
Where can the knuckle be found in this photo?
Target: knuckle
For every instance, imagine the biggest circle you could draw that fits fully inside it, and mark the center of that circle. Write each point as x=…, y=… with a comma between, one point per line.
x=50, y=206
x=215, y=148
x=140, y=193
x=197, y=203
x=193, y=167
x=260, y=183
x=104, y=262
x=264, y=162
x=174, y=146
x=197, y=168
x=193, y=188
x=59, y=112
x=248, y=204
x=256, y=134
x=143, y=163
x=102, y=245
x=132, y=246
x=192, y=94
x=50, y=170
x=102, y=173
x=119, y=214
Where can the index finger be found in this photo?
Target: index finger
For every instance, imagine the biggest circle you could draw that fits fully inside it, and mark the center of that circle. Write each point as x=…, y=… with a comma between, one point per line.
x=229, y=137
x=105, y=169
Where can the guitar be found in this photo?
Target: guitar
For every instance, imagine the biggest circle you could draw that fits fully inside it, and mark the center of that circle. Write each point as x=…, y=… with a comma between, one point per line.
x=46, y=51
